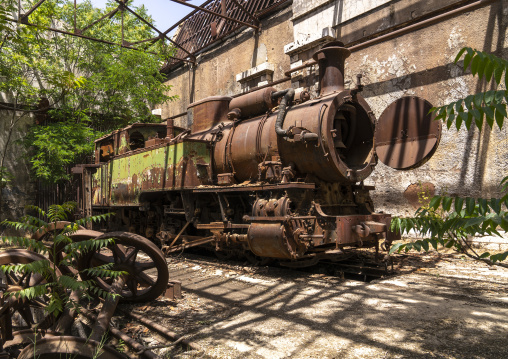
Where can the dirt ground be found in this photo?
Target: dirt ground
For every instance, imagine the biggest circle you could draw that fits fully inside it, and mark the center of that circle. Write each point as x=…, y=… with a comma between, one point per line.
x=439, y=306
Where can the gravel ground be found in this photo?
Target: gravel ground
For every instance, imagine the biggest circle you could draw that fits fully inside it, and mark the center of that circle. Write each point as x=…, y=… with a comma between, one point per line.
x=438, y=306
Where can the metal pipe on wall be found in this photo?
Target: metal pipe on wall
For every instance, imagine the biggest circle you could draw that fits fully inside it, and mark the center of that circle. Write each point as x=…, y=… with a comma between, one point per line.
x=406, y=29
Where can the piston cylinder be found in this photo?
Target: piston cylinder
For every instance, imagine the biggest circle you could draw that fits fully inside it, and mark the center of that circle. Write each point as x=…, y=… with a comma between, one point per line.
x=270, y=240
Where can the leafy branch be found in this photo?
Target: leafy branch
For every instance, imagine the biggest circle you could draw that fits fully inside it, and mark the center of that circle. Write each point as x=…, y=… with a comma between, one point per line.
x=490, y=105
x=64, y=252
x=452, y=221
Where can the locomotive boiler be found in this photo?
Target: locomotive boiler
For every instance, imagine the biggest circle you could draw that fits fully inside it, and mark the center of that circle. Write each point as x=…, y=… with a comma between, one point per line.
x=270, y=174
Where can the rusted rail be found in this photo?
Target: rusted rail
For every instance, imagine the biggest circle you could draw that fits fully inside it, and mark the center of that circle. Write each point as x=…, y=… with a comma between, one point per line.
x=160, y=329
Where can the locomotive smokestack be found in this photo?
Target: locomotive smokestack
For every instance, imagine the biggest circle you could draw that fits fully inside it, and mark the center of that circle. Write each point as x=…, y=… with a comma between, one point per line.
x=331, y=60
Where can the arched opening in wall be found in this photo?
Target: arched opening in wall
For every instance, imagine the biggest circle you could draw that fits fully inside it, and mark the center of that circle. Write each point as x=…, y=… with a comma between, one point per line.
x=136, y=141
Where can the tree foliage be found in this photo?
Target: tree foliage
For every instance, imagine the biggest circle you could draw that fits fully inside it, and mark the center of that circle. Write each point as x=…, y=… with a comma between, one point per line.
x=452, y=221
x=490, y=105
x=86, y=87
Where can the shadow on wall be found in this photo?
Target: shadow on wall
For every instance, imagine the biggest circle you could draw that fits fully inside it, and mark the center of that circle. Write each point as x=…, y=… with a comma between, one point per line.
x=476, y=146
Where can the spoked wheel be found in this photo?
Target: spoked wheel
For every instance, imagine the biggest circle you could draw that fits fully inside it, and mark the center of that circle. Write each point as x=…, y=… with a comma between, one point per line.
x=23, y=338
x=47, y=234
x=147, y=271
x=25, y=313
x=69, y=347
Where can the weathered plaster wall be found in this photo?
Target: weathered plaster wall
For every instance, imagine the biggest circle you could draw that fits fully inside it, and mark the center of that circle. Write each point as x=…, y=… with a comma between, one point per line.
x=467, y=163
x=20, y=191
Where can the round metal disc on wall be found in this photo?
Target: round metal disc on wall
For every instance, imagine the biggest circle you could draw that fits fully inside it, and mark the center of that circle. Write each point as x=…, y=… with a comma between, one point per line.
x=406, y=134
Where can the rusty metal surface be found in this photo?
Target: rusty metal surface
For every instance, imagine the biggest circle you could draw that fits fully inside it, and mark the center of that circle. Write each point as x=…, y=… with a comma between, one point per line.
x=184, y=164
x=269, y=240
x=32, y=311
x=208, y=112
x=52, y=227
x=174, y=290
x=133, y=254
x=27, y=336
x=325, y=159
x=331, y=58
x=64, y=346
x=406, y=134
x=348, y=228
x=255, y=103
x=255, y=187
x=108, y=309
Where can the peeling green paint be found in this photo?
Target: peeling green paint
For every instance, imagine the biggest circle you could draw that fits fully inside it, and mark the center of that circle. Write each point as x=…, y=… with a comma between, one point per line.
x=170, y=167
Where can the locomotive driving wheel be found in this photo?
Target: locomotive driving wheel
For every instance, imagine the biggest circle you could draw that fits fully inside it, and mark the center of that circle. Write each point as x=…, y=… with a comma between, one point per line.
x=147, y=272
x=25, y=313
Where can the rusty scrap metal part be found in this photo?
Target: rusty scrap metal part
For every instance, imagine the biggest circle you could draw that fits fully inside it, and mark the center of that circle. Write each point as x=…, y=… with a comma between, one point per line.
x=136, y=256
x=67, y=346
x=46, y=232
x=25, y=313
x=28, y=336
x=161, y=330
x=406, y=134
x=46, y=235
x=108, y=309
x=121, y=335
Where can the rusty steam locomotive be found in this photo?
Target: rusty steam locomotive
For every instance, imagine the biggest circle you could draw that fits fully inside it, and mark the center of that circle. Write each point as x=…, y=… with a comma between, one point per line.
x=268, y=173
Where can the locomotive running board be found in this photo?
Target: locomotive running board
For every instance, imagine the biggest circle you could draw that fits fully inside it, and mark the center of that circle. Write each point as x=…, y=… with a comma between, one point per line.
x=256, y=187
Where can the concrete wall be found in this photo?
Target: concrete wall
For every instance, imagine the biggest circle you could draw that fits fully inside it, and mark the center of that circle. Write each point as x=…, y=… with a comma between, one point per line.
x=20, y=191
x=467, y=163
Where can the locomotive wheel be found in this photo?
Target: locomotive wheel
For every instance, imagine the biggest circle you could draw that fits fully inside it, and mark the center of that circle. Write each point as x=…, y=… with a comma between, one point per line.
x=42, y=233
x=29, y=313
x=46, y=236
x=69, y=347
x=133, y=254
x=23, y=338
